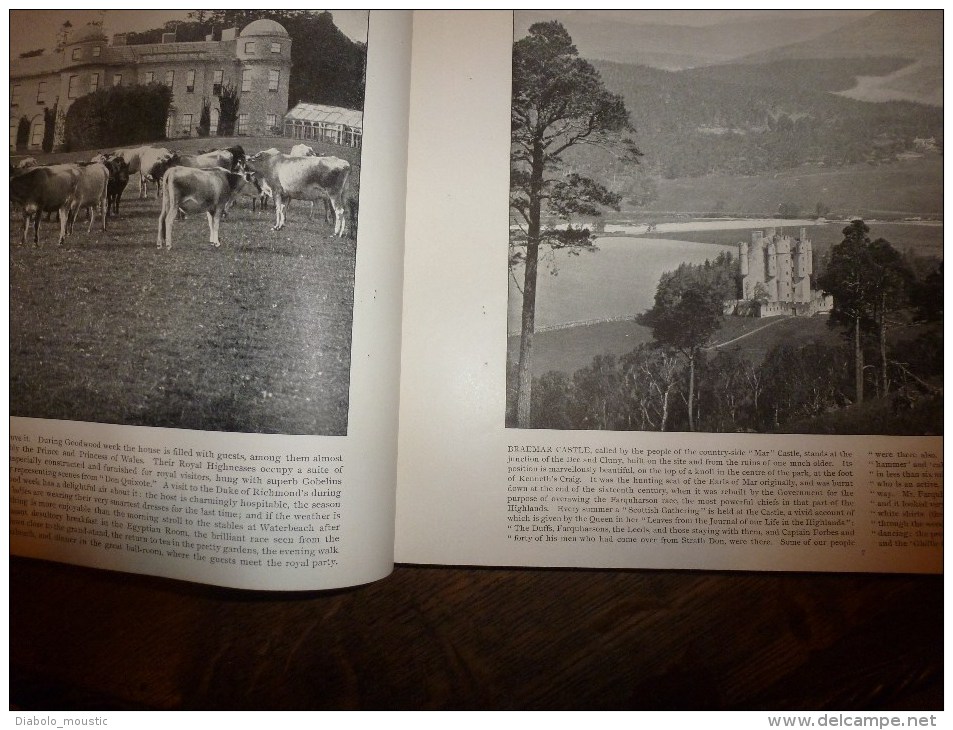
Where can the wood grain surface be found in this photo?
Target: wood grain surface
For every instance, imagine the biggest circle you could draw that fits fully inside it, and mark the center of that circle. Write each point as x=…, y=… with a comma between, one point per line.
x=458, y=638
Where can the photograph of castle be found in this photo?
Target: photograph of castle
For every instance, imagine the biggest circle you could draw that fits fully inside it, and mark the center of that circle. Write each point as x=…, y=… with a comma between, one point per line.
x=722, y=237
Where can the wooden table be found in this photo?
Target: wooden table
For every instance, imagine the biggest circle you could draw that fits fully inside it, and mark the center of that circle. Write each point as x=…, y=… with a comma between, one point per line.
x=479, y=638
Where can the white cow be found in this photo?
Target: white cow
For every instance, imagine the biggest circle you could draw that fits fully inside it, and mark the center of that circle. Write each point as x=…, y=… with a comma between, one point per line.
x=192, y=190
x=142, y=160
x=303, y=150
x=303, y=178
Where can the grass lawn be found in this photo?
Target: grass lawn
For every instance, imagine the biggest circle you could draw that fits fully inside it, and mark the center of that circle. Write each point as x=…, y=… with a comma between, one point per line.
x=254, y=336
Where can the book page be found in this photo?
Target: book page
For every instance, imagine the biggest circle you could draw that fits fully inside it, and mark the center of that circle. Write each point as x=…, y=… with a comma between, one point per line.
x=670, y=439
x=216, y=413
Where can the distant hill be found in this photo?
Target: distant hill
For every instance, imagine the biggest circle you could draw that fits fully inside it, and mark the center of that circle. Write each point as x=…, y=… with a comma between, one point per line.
x=626, y=37
x=916, y=34
x=750, y=119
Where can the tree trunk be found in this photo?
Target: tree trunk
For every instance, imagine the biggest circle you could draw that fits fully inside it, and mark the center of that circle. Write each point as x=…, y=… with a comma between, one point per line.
x=691, y=392
x=858, y=361
x=665, y=408
x=884, y=382
x=524, y=380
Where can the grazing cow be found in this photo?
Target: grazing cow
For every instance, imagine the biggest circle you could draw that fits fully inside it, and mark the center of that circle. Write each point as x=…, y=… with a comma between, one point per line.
x=142, y=160
x=90, y=193
x=352, y=210
x=193, y=190
x=303, y=150
x=44, y=188
x=26, y=163
x=303, y=178
x=250, y=187
x=230, y=158
x=118, y=179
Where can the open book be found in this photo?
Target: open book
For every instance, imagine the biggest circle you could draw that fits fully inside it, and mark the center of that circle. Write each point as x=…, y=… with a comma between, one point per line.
x=298, y=410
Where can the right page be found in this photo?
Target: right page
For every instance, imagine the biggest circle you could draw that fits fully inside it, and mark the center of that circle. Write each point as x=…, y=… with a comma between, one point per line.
x=673, y=291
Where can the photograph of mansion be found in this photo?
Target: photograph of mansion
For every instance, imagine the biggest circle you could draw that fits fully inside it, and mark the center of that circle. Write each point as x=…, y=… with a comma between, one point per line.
x=255, y=60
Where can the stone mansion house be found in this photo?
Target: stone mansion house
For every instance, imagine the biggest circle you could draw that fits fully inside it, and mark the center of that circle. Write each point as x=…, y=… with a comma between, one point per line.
x=257, y=61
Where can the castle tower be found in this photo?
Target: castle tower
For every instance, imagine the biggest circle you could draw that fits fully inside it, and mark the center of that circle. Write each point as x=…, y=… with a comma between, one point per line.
x=782, y=245
x=771, y=267
x=802, y=260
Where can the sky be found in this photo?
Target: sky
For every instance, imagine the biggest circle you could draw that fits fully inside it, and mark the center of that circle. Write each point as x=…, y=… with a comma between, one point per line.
x=31, y=29
x=698, y=17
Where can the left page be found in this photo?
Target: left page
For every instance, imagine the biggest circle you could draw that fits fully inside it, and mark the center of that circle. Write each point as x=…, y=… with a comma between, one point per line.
x=204, y=351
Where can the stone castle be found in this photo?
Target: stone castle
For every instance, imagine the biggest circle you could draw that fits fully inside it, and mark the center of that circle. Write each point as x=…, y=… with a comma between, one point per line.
x=776, y=274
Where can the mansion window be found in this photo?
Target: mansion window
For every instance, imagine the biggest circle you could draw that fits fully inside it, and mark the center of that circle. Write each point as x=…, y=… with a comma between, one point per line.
x=41, y=93
x=217, y=82
x=149, y=77
x=93, y=82
x=169, y=78
x=36, y=133
x=273, y=76
x=190, y=81
x=96, y=51
x=73, y=89
x=117, y=79
x=249, y=46
x=246, y=80
x=242, y=124
x=77, y=54
x=276, y=48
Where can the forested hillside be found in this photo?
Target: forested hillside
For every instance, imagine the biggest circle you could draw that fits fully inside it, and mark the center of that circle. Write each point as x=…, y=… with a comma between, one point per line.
x=752, y=119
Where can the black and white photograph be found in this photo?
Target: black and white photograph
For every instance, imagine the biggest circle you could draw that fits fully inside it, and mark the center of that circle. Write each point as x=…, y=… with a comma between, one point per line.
x=726, y=221
x=184, y=199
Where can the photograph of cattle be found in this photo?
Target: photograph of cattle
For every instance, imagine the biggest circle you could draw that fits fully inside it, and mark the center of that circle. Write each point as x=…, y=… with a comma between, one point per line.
x=727, y=221
x=184, y=191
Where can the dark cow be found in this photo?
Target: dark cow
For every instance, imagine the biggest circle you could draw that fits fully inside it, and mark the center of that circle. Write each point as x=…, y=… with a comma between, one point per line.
x=303, y=178
x=118, y=179
x=45, y=188
x=250, y=187
x=192, y=190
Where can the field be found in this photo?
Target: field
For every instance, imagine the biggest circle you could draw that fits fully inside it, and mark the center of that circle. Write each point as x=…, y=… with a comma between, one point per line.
x=254, y=336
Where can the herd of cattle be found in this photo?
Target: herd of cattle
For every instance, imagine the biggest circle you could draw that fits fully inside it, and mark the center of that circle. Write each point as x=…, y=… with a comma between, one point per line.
x=208, y=182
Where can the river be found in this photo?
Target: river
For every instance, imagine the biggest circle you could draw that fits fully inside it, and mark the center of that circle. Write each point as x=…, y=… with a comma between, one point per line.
x=618, y=279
